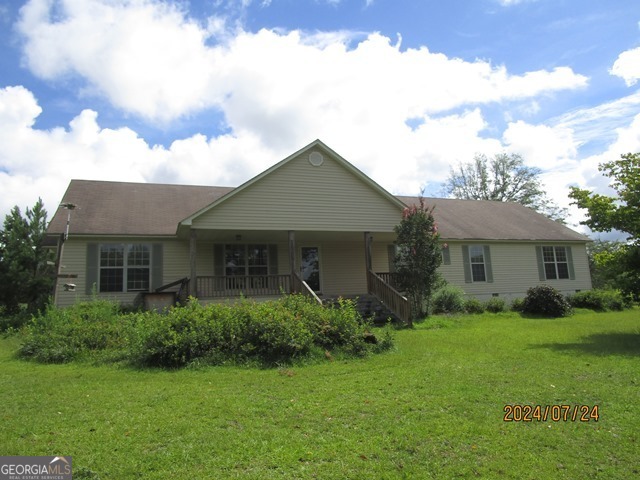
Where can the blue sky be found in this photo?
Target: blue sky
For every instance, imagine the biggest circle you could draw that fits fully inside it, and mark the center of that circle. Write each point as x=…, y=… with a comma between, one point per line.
x=215, y=92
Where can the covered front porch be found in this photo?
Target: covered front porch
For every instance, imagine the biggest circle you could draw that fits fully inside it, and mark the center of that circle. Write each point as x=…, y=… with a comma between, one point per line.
x=255, y=263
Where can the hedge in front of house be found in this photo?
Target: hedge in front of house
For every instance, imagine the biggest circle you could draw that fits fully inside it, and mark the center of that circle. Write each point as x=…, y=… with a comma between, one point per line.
x=272, y=332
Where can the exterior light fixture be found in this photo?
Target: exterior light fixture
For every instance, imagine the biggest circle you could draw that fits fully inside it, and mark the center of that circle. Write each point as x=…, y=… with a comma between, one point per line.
x=68, y=206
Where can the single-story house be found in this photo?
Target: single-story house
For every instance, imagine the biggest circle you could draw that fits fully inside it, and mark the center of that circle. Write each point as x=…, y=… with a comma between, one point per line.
x=312, y=223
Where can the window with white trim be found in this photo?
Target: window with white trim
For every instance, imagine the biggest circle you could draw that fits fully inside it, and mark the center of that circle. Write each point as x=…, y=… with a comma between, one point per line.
x=478, y=268
x=556, y=263
x=125, y=267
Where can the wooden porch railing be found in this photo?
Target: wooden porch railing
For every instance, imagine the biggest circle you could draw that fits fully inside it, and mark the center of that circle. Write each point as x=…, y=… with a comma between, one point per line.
x=389, y=278
x=248, y=285
x=388, y=295
x=298, y=285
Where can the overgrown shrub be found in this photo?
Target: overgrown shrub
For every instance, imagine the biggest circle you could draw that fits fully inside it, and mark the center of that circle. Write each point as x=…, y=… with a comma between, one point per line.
x=517, y=305
x=248, y=332
x=495, y=305
x=60, y=335
x=601, y=300
x=473, y=305
x=547, y=301
x=269, y=332
x=448, y=299
x=336, y=326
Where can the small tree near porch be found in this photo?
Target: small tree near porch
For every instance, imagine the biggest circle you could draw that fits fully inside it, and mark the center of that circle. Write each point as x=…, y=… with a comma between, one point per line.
x=417, y=256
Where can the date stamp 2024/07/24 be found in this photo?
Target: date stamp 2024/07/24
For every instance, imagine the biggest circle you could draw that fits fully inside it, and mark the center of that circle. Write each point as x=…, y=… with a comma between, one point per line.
x=553, y=413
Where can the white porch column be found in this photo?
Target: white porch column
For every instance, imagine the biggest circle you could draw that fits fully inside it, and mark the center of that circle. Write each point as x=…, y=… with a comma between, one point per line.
x=193, y=283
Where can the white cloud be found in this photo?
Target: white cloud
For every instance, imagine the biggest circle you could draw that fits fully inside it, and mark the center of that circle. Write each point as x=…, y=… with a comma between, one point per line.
x=627, y=66
x=18, y=107
x=149, y=58
x=145, y=57
x=541, y=146
x=600, y=122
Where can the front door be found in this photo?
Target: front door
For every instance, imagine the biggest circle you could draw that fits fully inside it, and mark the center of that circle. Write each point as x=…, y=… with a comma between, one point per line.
x=310, y=267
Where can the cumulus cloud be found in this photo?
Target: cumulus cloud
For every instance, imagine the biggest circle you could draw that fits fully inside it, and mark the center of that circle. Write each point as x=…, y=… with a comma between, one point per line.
x=145, y=57
x=541, y=146
x=627, y=66
x=149, y=58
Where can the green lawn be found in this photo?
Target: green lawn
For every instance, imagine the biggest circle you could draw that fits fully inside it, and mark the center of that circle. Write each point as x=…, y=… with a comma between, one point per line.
x=432, y=408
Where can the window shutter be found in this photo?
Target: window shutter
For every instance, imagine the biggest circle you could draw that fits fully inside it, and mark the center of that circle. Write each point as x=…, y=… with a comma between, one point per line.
x=391, y=255
x=466, y=261
x=488, y=270
x=446, y=255
x=157, y=266
x=91, y=268
x=218, y=260
x=541, y=273
x=273, y=259
x=572, y=272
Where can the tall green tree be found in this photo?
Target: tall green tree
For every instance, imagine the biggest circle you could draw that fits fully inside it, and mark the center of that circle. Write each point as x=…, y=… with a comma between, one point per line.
x=418, y=256
x=26, y=277
x=620, y=212
x=615, y=265
x=503, y=178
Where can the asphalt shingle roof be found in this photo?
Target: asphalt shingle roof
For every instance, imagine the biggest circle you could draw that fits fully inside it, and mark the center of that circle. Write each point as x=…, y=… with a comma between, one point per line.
x=120, y=208
x=491, y=220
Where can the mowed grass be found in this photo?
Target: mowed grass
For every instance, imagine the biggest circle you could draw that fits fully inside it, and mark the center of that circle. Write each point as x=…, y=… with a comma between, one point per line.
x=432, y=408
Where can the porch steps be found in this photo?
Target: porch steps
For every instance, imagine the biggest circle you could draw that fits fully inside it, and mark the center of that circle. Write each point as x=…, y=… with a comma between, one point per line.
x=369, y=306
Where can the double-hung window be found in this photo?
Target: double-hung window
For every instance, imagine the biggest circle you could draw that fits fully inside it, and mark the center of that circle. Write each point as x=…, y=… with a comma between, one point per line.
x=125, y=267
x=476, y=257
x=556, y=263
x=477, y=263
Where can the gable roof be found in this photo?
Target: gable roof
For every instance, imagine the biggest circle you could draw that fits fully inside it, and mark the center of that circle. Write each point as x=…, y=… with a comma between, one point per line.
x=315, y=145
x=493, y=220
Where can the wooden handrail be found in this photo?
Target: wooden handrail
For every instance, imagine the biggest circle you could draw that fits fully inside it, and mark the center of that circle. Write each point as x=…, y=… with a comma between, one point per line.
x=298, y=285
x=172, y=284
x=388, y=295
x=390, y=278
x=237, y=285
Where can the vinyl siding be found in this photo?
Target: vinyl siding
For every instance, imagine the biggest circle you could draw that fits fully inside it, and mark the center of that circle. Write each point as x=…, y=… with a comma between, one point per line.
x=515, y=270
x=342, y=267
x=300, y=196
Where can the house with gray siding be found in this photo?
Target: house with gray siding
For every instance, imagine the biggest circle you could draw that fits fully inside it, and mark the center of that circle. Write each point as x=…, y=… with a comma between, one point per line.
x=312, y=223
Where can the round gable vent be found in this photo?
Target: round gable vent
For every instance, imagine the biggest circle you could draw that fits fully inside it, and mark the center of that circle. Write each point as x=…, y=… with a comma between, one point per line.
x=316, y=159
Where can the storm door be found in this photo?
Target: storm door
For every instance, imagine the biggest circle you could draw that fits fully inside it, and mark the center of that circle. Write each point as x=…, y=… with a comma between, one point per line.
x=310, y=267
